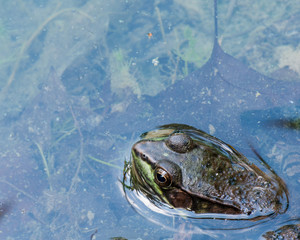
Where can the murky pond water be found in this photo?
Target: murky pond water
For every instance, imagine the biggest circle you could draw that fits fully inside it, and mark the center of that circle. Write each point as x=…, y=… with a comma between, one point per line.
x=82, y=80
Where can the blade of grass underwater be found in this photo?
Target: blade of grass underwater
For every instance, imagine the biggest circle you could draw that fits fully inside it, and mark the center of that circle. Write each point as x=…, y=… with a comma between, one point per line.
x=44, y=162
x=105, y=163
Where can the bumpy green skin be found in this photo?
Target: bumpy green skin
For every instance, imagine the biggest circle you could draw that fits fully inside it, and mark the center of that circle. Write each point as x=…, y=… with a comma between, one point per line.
x=207, y=175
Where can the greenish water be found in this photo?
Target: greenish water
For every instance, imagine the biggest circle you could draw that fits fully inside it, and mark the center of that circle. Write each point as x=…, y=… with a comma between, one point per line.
x=69, y=68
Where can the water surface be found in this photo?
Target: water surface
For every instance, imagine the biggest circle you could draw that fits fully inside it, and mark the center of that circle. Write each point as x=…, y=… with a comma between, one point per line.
x=68, y=69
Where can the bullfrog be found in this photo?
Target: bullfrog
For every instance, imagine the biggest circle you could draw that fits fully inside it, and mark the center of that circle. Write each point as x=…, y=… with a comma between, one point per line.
x=189, y=169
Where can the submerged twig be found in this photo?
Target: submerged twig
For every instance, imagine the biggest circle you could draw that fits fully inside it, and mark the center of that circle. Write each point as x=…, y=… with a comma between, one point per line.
x=19, y=190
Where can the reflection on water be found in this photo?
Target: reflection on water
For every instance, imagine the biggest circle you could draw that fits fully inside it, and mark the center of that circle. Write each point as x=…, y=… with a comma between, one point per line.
x=57, y=130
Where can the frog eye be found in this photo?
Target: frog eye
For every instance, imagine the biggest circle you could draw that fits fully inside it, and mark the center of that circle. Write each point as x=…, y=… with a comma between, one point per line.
x=162, y=177
x=179, y=142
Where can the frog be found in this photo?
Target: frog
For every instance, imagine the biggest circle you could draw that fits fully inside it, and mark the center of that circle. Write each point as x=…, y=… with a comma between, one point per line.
x=186, y=168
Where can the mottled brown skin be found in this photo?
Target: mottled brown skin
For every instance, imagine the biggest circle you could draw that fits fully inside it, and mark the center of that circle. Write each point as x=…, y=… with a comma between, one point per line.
x=195, y=171
x=291, y=232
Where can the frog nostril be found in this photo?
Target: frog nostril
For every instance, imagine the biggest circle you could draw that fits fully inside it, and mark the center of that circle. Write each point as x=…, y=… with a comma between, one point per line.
x=144, y=156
